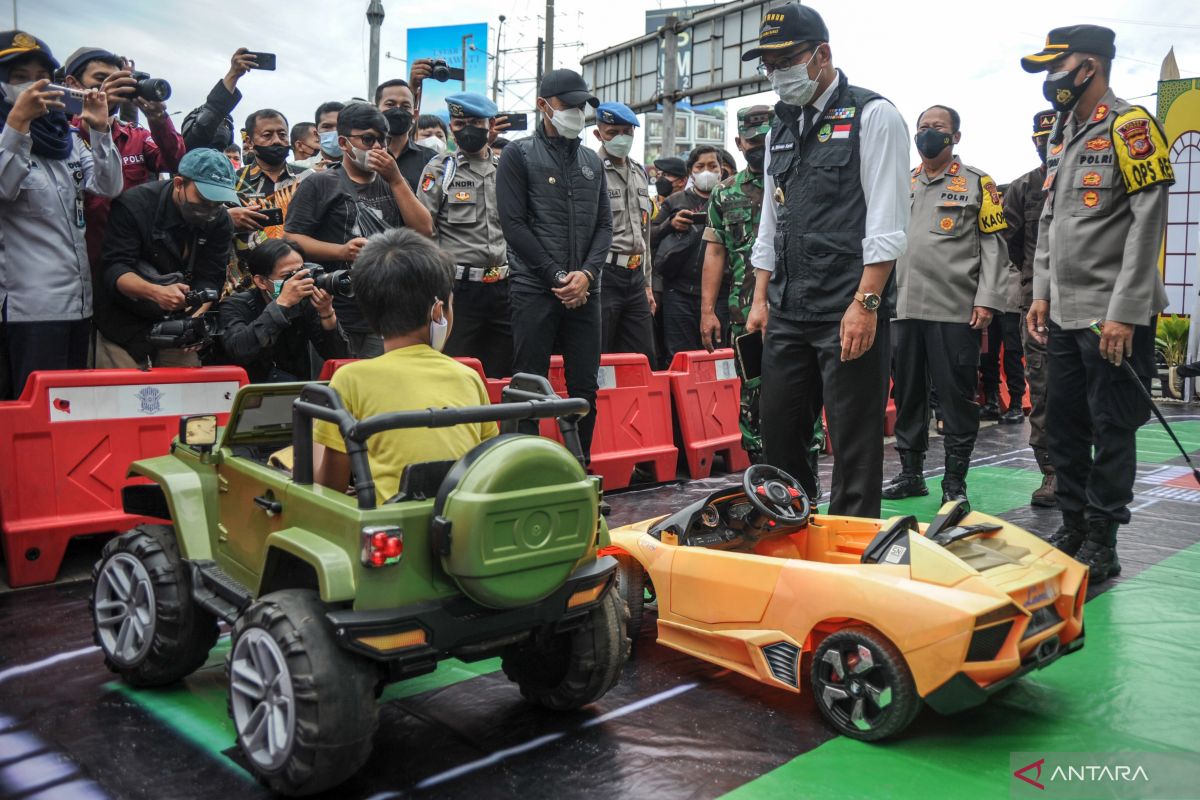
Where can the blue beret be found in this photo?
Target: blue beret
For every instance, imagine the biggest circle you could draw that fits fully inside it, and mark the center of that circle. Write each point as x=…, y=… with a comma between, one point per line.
x=470, y=104
x=616, y=114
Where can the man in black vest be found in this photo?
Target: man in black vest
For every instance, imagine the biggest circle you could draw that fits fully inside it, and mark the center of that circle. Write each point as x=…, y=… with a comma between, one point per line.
x=833, y=223
x=554, y=211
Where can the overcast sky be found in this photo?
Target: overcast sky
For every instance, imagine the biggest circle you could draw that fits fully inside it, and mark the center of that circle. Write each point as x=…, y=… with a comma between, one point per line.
x=916, y=54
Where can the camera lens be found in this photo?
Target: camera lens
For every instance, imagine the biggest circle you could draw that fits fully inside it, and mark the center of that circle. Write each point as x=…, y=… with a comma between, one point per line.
x=339, y=283
x=155, y=90
x=441, y=71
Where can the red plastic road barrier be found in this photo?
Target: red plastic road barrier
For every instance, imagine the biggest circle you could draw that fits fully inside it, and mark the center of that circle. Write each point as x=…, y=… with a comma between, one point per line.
x=707, y=395
x=66, y=446
x=494, y=386
x=633, y=421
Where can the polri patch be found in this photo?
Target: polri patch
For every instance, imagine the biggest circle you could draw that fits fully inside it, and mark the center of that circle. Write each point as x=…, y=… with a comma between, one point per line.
x=1091, y=199
x=957, y=184
x=427, y=182
x=1136, y=135
x=1092, y=179
x=462, y=196
x=1098, y=144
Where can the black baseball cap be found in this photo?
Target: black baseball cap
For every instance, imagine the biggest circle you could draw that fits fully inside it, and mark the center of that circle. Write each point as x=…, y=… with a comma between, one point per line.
x=1043, y=122
x=567, y=85
x=1093, y=39
x=788, y=26
x=671, y=166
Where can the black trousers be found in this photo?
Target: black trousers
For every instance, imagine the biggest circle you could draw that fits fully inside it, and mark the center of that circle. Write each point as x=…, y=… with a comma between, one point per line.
x=803, y=369
x=1093, y=404
x=944, y=355
x=482, y=326
x=625, y=313
x=681, y=320
x=542, y=325
x=32, y=346
x=1005, y=330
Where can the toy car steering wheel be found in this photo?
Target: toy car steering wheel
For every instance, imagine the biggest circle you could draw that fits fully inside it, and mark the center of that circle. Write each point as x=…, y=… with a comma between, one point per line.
x=776, y=495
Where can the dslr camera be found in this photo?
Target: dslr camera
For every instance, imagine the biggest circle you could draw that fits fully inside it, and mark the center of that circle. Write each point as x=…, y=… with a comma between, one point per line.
x=153, y=90
x=338, y=282
x=443, y=72
x=181, y=329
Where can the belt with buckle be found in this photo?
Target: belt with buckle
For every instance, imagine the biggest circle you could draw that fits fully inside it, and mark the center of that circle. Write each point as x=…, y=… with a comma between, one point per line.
x=627, y=261
x=480, y=274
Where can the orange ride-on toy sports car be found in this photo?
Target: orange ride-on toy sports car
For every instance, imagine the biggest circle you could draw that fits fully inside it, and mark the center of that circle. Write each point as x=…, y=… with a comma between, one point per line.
x=893, y=612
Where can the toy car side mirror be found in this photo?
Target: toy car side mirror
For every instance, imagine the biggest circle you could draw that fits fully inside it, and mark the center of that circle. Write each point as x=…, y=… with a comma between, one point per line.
x=199, y=432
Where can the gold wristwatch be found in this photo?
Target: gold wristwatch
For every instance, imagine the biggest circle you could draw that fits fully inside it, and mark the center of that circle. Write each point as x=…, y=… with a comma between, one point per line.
x=870, y=301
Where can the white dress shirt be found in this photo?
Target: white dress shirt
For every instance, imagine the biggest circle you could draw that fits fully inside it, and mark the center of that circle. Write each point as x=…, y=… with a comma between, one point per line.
x=883, y=170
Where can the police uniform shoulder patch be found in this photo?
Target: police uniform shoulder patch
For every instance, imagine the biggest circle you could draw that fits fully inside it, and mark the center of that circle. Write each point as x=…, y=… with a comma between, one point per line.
x=428, y=181
x=991, y=209
x=1142, y=154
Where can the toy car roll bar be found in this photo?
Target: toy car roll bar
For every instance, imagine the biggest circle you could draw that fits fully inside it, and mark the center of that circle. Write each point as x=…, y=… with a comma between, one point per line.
x=318, y=401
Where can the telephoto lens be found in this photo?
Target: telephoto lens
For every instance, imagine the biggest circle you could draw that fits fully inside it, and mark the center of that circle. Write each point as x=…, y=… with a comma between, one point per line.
x=154, y=90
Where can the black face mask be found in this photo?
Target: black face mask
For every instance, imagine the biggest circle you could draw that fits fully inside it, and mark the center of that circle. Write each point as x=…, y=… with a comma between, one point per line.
x=664, y=187
x=1060, y=89
x=399, y=121
x=931, y=142
x=271, y=154
x=1040, y=142
x=755, y=158
x=197, y=215
x=471, y=139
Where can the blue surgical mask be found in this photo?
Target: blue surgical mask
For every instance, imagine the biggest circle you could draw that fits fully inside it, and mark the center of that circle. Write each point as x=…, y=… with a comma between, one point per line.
x=329, y=144
x=276, y=288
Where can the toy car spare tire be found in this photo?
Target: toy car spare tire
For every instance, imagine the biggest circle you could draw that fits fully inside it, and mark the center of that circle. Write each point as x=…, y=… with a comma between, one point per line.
x=144, y=619
x=302, y=707
x=862, y=684
x=568, y=670
x=630, y=586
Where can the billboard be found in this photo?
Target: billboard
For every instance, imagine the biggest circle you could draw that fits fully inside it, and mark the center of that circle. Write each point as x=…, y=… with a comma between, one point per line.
x=654, y=20
x=445, y=42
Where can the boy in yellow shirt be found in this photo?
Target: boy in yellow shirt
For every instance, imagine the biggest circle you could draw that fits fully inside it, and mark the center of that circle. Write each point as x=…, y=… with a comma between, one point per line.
x=404, y=286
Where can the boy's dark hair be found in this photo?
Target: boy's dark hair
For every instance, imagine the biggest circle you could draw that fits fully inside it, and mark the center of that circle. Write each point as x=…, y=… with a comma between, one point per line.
x=262, y=259
x=325, y=108
x=387, y=85
x=300, y=130
x=700, y=150
x=262, y=113
x=112, y=61
x=361, y=116
x=398, y=276
x=955, y=120
x=432, y=121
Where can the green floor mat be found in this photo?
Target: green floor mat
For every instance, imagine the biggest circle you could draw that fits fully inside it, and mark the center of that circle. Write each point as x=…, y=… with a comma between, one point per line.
x=1154, y=445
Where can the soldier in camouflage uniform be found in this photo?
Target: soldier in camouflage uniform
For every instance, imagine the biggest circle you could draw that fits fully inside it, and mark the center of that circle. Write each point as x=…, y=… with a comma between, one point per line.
x=733, y=213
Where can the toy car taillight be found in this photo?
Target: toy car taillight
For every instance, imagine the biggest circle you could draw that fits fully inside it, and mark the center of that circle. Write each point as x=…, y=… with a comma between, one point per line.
x=382, y=545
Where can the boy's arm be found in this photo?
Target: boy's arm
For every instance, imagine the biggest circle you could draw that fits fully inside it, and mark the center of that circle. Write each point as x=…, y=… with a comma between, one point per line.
x=333, y=470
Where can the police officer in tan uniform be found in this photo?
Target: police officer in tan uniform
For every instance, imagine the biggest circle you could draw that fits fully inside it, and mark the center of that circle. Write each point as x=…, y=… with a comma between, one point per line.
x=459, y=189
x=627, y=302
x=949, y=283
x=1108, y=172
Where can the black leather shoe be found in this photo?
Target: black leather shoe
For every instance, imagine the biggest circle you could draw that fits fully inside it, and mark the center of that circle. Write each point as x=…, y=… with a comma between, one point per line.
x=1014, y=416
x=990, y=410
x=1068, y=538
x=906, y=485
x=1101, y=561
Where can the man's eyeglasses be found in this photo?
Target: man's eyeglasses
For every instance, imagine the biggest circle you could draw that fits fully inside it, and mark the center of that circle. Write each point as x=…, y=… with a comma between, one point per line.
x=765, y=69
x=370, y=139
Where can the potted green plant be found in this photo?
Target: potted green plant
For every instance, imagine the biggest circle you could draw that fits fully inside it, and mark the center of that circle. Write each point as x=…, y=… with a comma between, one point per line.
x=1172, y=341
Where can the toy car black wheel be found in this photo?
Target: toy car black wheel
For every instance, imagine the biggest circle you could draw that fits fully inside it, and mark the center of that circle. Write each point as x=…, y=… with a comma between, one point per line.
x=144, y=619
x=863, y=685
x=303, y=708
x=631, y=588
x=570, y=669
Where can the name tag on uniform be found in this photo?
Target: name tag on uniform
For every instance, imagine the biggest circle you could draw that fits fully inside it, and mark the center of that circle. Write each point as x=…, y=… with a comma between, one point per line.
x=775, y=148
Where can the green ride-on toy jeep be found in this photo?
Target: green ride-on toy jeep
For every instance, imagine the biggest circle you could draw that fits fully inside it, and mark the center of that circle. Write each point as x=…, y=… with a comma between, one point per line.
x=333, y=596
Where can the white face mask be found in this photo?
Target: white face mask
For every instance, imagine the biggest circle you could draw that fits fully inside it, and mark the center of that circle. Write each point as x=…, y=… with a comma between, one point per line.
x=793, y=85
x=360, y=158
x=619, y=145
x=439, y=330
x=567, y=121
x=13, y=90
x=433, y=143
x=706, y=181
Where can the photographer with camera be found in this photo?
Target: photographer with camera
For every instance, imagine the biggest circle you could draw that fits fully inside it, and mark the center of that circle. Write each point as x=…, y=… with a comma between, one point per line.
x=45, y=167
x=165, y=254
x=211, y=125
x=144, y=153
x=676, y=234
x=334, y=211
x=267, y=329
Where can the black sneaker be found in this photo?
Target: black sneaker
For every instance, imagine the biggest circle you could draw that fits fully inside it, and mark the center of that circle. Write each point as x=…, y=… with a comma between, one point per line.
x=1101, y=561
x=1068, y=538
x=1014, y=416
x=906, y=485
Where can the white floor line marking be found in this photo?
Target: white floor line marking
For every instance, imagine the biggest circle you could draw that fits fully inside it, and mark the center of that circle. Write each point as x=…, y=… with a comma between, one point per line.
x=1146, y=504
x=532, y=744
x=25, y=669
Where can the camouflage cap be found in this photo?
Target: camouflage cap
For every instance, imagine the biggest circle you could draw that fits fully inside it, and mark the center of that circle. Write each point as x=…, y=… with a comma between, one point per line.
x=754, y=121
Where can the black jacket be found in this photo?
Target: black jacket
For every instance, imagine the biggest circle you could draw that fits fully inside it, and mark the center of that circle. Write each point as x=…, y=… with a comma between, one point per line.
x=210, y=125
x=679, y=257
x=262, y=336
x=553, y=201
x=145, y=233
